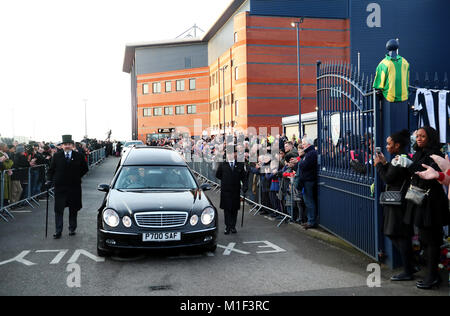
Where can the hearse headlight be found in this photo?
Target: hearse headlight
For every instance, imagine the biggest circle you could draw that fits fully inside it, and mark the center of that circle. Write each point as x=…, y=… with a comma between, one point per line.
x=126, y=221
x=194, y=220
x=111, y=218
x=207, y=216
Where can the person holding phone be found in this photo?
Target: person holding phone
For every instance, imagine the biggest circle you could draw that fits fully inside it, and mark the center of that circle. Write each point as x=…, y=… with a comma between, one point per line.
x=396, y=178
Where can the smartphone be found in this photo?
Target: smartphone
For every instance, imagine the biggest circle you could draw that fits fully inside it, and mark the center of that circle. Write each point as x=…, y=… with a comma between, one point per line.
x=378, y=150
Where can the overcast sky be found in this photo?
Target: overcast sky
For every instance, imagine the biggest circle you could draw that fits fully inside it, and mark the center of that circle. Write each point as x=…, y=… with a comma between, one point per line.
x=55, y=53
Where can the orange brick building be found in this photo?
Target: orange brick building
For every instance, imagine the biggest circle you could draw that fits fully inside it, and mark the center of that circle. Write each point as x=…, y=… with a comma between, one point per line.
x=247, y=62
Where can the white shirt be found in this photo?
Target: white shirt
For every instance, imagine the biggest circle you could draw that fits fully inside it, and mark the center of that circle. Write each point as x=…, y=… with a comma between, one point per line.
x=68, y=153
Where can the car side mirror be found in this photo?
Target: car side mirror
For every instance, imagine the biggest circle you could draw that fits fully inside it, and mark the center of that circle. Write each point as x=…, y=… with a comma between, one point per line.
x=205, y=187
x=103, y=188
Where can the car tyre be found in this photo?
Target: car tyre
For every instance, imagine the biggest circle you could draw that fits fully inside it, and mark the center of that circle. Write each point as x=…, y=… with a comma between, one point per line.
x=103, y=253
x=211, y=248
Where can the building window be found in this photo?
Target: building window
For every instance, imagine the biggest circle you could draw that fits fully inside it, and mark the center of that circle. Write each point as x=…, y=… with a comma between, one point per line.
x=236, y=73
x=156, y=87
x=191, y=84
x=236, y=108
x=191, y=109
x=187, y=62
x=147, y=112
x=168, y=86
x=179, y=110
x=168, y=110
x=145, y=88
x=235, y=37
x=180, y=85
x=157, y=111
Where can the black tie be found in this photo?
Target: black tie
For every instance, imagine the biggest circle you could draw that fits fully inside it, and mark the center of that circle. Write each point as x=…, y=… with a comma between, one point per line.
x=67, y=158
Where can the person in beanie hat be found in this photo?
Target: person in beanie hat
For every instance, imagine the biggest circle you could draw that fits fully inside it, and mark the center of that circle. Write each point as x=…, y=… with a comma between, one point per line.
x=66, y=170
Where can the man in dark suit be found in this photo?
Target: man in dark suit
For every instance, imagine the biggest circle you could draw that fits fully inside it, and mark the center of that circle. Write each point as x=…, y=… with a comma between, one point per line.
x=231, y=173
x=65, y=172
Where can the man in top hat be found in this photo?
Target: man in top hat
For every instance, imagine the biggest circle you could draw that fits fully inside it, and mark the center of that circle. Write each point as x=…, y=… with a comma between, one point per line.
x=66, y=170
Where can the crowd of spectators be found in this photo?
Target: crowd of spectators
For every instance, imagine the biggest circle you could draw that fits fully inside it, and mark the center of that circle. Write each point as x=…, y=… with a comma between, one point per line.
x=24, y=166
x=282, y=173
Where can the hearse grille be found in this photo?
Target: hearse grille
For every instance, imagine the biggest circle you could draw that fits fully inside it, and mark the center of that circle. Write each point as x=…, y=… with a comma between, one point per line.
x=161, y=219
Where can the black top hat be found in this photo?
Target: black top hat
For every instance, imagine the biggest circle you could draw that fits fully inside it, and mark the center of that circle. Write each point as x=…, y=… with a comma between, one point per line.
x=66, y=139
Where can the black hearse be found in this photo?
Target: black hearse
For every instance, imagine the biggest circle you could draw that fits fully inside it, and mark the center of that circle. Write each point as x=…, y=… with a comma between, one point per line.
x=154, y=201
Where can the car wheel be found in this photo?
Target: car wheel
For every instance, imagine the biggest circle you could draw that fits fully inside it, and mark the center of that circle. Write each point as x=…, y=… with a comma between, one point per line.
x=211, y=248
x=103, y=253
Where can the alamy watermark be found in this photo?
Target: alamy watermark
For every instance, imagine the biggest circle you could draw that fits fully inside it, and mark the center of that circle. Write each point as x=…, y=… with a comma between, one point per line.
x=374, y=278
x=74, y=278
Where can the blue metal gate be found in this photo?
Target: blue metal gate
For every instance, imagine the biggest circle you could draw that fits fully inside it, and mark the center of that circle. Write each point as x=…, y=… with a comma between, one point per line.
x=347, y=130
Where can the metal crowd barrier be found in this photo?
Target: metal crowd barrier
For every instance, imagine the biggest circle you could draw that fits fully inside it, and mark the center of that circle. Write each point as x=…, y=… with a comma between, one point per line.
x=32, y=200
x=34, y=181
x=97, y=156
x=205, y=172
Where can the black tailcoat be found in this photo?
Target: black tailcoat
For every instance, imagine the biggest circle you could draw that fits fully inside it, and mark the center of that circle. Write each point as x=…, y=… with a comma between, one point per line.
x=66, y=177
x=231, y=184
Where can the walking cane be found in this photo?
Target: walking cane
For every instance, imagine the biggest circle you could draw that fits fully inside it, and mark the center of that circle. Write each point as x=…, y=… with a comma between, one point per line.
x=46, y=212
x=243, y=205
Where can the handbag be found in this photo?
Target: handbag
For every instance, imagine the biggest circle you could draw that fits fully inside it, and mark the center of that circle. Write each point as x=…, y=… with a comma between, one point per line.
x=392, y=197
x=416, y=195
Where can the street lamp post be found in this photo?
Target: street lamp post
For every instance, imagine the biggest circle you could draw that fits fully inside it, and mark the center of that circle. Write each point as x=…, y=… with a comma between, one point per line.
x=85, y=118
x=296, y=24
x=13, y=131
x=223, y=97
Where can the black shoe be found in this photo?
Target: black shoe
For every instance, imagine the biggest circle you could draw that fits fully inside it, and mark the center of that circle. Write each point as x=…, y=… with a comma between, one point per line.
x=72, y=233
x=308, y=226
x=428, y=286
x=402, y=277
x=233, y=231
x=57, y=236
x=227, y=232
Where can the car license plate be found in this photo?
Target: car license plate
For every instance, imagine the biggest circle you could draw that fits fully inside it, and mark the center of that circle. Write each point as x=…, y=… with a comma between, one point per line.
x=161, y=236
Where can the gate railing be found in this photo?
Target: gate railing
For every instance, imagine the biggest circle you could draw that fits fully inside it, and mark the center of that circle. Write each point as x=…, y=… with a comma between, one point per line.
x=347, y=137
x=347, y=124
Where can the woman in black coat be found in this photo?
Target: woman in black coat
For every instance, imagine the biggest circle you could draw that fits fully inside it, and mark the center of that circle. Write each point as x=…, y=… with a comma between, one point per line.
x=397, y=178
x=432, y=214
